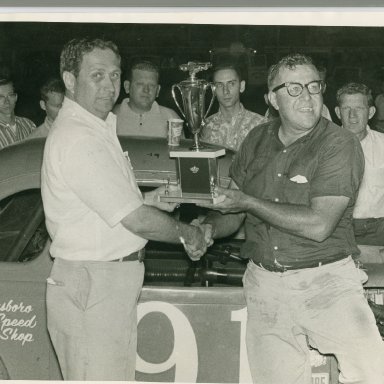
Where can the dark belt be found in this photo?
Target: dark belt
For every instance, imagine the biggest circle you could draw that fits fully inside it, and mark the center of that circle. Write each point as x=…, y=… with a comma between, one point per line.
x=135, y=256
x=277, y=267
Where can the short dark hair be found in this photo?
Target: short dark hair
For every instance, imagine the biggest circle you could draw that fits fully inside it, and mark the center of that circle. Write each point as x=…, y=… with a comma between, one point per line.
x=143, y=65
x=74, y=50
x=353, y=89
x=51, y=85
x=290, y=61
x=228, y=65
x=6, y=81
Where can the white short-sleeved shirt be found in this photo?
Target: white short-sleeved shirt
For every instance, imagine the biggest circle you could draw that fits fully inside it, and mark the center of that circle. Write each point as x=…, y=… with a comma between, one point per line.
x=370, y=201
x=88, y=187
x=153, y=123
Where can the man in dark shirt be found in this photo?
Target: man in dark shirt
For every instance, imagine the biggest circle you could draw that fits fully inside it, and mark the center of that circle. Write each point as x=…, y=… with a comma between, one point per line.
x=295, y=182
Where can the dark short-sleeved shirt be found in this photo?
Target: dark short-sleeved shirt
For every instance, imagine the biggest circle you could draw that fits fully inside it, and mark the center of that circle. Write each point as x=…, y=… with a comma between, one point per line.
x=328, y=161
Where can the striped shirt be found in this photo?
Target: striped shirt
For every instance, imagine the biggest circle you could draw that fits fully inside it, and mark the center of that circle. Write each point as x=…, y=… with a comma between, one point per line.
x=12, y=134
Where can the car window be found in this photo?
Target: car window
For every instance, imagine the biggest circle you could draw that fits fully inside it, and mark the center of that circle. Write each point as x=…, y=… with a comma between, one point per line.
x=22, y=226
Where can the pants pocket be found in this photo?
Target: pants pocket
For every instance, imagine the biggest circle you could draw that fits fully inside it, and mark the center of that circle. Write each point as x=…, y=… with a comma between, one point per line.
x=82, y=289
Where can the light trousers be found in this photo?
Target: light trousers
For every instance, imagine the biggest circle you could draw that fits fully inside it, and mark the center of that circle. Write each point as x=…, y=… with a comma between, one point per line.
x=92, y=318
x=323, y=307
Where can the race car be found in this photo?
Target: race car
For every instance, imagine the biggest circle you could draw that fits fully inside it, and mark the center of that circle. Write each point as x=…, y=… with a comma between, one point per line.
x=191, y=315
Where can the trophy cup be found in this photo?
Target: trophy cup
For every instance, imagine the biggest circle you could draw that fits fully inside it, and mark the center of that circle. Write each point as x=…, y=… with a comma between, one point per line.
x=196, y=167
x=193, y=92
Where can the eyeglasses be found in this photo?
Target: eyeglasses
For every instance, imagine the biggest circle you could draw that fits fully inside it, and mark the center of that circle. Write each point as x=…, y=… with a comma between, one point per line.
x=296, y=89
x=10, y=96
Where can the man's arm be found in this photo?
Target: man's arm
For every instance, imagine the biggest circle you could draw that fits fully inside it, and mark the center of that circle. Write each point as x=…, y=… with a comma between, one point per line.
x=224, y=225
x=152, y=224
x=315, y=222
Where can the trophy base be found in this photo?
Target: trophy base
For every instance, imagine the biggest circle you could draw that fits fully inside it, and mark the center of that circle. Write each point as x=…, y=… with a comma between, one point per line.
x=190, y=198
x=205, y=151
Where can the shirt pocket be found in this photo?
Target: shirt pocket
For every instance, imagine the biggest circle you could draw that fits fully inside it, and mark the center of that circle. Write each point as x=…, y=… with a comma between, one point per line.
x=297, y=187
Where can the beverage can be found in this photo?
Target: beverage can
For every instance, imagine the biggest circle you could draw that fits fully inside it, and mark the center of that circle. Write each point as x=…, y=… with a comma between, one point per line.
x=175, y=128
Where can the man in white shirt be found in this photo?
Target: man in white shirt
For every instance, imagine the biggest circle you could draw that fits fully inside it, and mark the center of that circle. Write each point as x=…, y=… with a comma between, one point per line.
x=355, y=108
x=99, y=222
x=140, y=114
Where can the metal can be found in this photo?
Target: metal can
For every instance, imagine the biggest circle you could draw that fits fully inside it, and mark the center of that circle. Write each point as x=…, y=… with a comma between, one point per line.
x=175, y=129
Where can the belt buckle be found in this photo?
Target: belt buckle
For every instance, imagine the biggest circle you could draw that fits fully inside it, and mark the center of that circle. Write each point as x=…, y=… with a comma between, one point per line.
x=280, y=267
x=275, y=267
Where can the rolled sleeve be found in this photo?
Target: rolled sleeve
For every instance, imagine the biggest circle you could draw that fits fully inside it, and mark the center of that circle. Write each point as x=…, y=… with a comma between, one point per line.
x=340, y=170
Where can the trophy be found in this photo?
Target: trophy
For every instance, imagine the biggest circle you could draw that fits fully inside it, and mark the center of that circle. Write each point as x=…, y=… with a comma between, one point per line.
x=197, y=170
x=193, y=92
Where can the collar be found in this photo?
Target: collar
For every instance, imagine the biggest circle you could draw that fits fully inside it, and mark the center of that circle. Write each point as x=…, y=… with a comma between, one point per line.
x=71, y=107
x=155, y=108
x=318, y=128
x=48, y=122
x=241, y=111
x=368, y=129
x=9, y=124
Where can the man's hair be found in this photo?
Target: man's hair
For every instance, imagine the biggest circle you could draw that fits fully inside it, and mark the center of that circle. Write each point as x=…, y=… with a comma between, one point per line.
x=228, y=65
x=75, y=49
x=143, y=65
x=51, y=85
x=290, y=61
x=353, y=89
x=6, y=81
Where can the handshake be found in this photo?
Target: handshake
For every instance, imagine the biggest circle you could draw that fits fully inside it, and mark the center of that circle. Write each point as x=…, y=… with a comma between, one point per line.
x=197, y=239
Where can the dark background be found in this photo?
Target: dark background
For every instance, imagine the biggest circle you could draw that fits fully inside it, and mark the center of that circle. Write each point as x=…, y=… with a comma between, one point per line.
x=31, y=50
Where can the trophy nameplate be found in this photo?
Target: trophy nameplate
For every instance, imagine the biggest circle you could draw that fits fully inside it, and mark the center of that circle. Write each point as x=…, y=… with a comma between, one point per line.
x=196, y=166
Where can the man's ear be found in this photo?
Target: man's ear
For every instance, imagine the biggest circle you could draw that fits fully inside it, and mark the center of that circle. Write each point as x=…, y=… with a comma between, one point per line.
x=272, y=100
x=337, y=111
x=42, y=105
x=69, y=80
x=126, y=85
x=158, y=90
x=242, y=86
x=372, y=111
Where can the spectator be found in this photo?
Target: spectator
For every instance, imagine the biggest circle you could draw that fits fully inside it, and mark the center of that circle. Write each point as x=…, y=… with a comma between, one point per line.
x=379, y=117
x=231, y=124
x=12, y=128
x=355, y=107
x=140, y=114
x=51, y=100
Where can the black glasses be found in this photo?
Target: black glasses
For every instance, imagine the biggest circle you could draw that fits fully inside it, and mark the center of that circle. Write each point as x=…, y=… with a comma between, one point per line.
x=296, y=89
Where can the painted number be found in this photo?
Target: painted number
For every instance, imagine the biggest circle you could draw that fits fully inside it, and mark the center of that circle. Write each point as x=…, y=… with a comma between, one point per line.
x=244, y=370
x=184, y=355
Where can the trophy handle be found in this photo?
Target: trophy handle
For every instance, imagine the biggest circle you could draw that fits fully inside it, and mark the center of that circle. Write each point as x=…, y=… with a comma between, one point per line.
x=212, y=100
x=175, y=98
